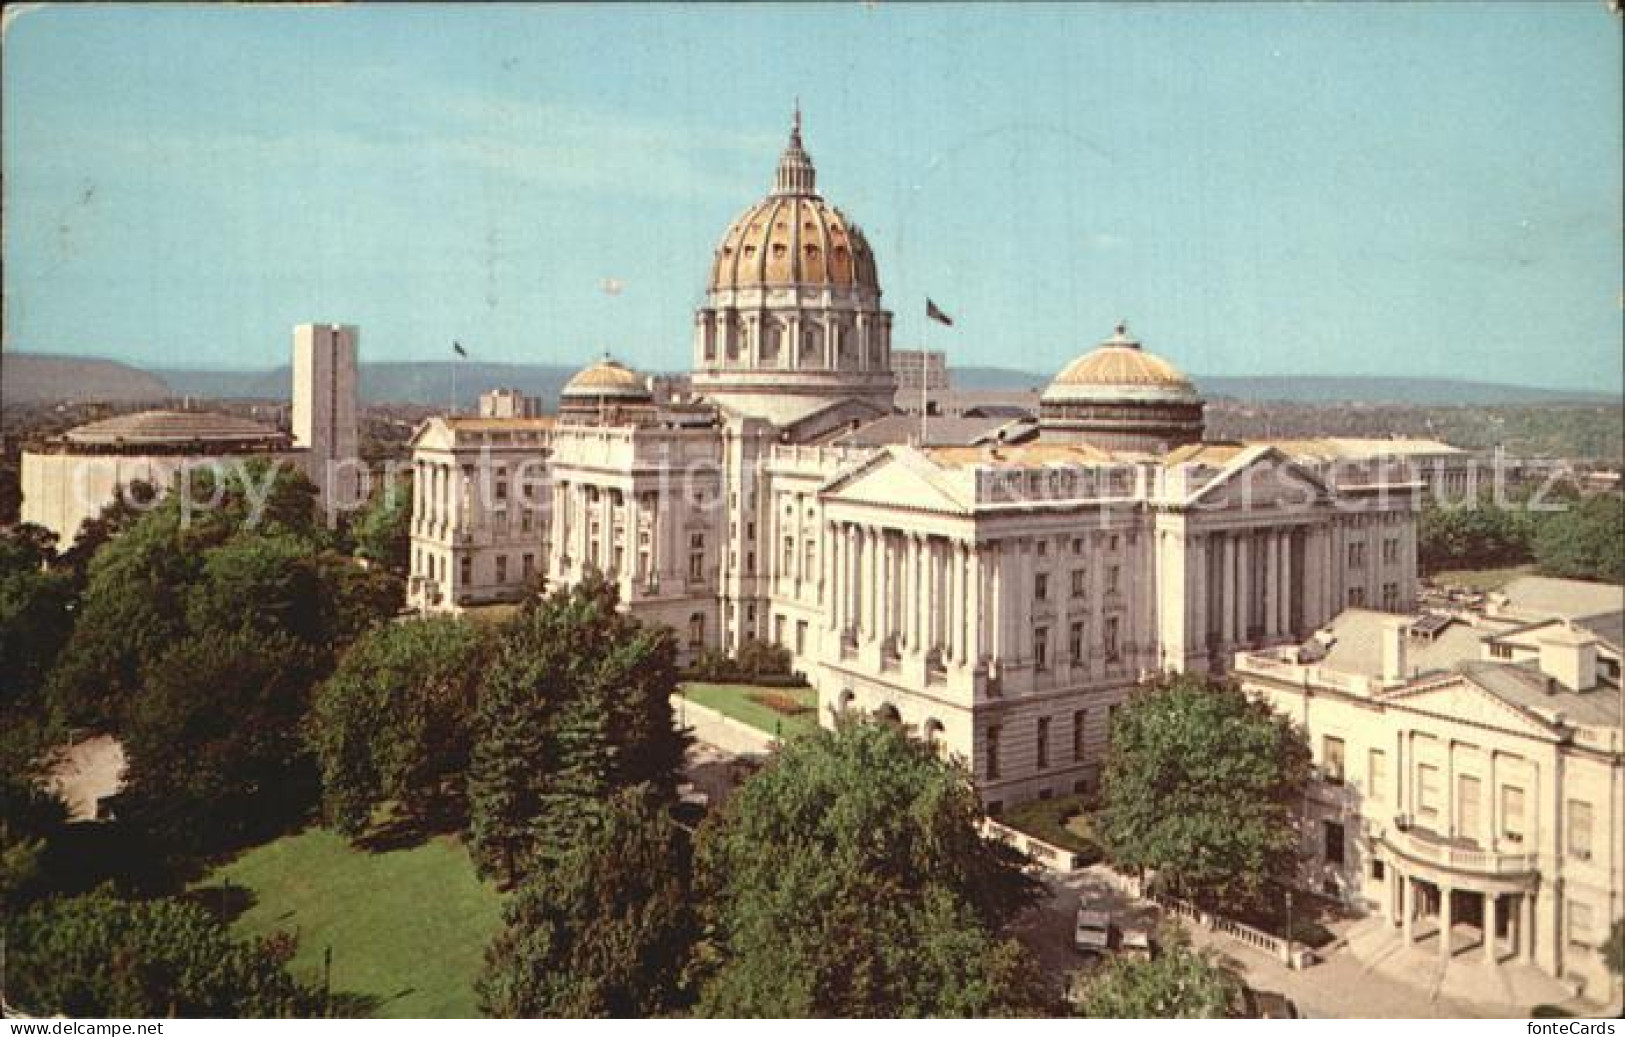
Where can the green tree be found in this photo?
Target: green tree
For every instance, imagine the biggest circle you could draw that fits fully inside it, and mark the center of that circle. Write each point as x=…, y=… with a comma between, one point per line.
x=576, y=705
x=850, y=878
x=1179, y=983
x=97, y=955
x=1584, y=542
x=31, y=820
x=36, y=617
x=214, y=754
x=1200, y=786
x=607, y=930
x=135, y=602
x=1474, y=534
x=394, y=723
x=383, y=532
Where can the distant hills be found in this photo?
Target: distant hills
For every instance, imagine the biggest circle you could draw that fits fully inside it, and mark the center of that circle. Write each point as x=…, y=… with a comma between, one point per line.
x=38, y=377
x=35, y=377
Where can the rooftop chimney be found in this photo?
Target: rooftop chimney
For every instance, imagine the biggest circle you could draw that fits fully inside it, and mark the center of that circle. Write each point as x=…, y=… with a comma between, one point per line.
x=1569, y=657
x=1393, y=651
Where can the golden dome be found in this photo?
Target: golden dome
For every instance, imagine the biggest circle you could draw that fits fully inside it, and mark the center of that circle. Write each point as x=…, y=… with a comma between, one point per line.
x=607, y=378
x=793, y=236
x=1118, y=367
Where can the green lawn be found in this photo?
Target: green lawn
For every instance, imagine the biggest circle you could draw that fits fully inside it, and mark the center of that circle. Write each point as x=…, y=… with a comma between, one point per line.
x=408, y=927
x=1481, y=579
x=1062, y=821
x=742, y=702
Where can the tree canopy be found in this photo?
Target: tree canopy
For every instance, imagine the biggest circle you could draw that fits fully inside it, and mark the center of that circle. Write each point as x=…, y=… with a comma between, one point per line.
x=394, y=723
x=97, y=955
x=576, y=704
x=1200, y=786
x=850, y=878
x=606, y=930
x=1179, y=983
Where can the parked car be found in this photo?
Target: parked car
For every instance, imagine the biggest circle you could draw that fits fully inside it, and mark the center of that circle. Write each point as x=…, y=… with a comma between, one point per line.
x=1267, y=1004
x=1093, y=932
x=1135, y=942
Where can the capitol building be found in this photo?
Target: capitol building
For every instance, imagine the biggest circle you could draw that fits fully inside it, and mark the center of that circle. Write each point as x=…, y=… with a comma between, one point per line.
x=998, y=596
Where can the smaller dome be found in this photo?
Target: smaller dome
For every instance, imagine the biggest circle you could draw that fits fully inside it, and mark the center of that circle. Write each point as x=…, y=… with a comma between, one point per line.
x=1119, y=368
x=608, y=379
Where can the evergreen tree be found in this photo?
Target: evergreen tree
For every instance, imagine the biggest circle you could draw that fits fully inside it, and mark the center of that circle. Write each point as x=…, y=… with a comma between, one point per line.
x=577, y=705
x=607, y=930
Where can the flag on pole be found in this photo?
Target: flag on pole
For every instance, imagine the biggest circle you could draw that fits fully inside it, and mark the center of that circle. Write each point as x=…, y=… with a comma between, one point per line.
x=459, y=350
x=935, y=314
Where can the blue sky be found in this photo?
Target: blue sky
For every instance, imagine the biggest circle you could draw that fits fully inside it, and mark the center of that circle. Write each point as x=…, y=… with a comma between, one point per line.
x=1258, y=189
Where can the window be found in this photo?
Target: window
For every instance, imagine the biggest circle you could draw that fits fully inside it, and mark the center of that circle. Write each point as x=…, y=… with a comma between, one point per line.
x=502, y=568
x=1390, y=597
x=1427, y=790
x=1111, y=639
x=1333, y=838
x=993, y=752
x=696, y=541
x=1078, y=577
x=502, y=489
x=1356, y=597
x=779, y=627
x=1041, y=586
x=1390, y=550
x=1074, y=642
x=1512, y=813
x=1331, y=759
x=1043, y=743
x=1379, y=871
x=465, y=569
x=696, y=565
x=1041, y=647
x=789, y=554
x=696, y=631
x=1043, y=549
x=801, y=637
x=1111, y=720
x=1111, y=542
x=1376, y=775
x=1079, y=719
x=1580, y=829
x=1356, y=556
x=1077, y=545
x=1112, y=575
x=1579, y=924
x=527, y=565
x=1467, y=813
x=1500, y=651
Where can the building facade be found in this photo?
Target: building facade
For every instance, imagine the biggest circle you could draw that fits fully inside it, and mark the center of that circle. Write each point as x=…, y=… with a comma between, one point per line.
x=70, y=478
x=999, y=596
x=1470, y=782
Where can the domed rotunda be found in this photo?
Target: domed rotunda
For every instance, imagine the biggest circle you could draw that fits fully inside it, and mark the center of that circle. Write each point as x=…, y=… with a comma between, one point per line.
x=1119, y=396
x=603, y=391
x=792, y=319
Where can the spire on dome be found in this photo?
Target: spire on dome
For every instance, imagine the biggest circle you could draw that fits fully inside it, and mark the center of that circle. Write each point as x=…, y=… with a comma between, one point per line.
x=796, y=174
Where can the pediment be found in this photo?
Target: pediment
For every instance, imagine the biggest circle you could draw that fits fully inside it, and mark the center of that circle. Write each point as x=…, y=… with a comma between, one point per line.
x=900, y=478
x=433, y=434
x=1462, y=700
x=837, y=417
x=1262, y=479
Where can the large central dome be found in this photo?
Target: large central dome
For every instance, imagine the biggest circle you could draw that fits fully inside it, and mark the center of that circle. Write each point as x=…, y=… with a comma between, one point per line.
x=793, y=236
x=792, y=321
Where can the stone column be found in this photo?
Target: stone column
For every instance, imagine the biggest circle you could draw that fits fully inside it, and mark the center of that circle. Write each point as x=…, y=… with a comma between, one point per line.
x=994, y=605
x=1445, y=924
x=975, y=648
x=1287, y=626
x=1407, y=908
x=956, y=601
x=1490, y=917
x=1244, y=587
x=911, y=593
x=1196, y=636
x=1526, y=927
x=1228, y=572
